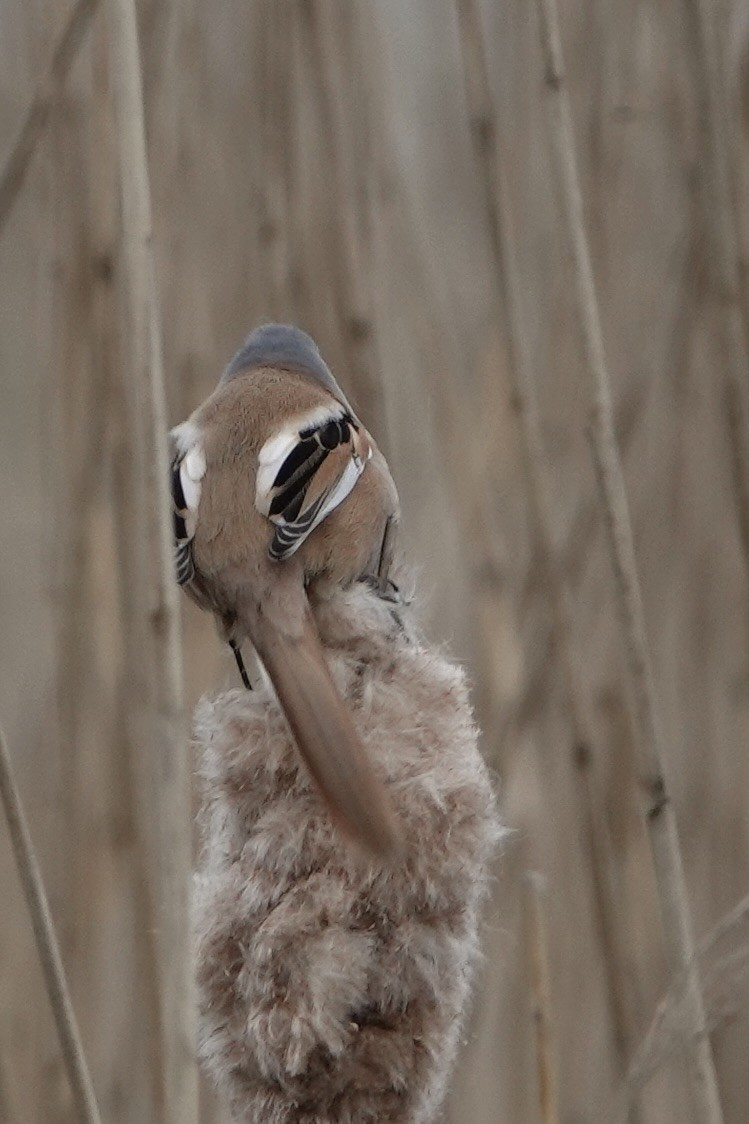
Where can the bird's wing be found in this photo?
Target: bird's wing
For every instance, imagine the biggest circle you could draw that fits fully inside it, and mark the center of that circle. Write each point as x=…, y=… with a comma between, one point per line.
x=305, y=471
x=187, y=472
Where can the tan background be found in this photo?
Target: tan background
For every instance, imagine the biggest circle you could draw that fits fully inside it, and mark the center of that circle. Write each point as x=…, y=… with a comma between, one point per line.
x=248, y=218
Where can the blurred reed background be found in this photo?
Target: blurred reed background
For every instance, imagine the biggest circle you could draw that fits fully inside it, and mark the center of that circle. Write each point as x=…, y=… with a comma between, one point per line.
x=331, y=162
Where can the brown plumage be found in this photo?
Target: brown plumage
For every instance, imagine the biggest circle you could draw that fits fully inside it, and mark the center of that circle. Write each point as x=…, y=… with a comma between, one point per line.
x=333, y=990
x=273, y=447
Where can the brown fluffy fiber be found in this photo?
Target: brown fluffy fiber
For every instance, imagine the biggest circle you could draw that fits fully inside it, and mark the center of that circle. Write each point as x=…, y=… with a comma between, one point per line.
x=332, y=989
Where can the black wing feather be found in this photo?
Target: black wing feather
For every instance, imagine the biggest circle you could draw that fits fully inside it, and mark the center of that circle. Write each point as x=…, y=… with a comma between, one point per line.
x=182, y=540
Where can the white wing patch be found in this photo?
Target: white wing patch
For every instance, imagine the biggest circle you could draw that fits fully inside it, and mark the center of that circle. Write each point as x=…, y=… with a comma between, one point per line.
x=270, y=459
x=305, y=471
x=341, y=489
x=188, y=470
x=276, y=449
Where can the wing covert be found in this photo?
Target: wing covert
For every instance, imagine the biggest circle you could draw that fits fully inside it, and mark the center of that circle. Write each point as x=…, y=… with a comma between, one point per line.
x=306, y=471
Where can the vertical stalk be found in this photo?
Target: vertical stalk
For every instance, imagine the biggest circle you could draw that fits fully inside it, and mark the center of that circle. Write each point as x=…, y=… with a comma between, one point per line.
x=16, y=166
x=332, y=46
x=126, y=774
x=537, y=947
x=46, y=943
x=277, y=143
x=660, y=817
x=492, y=160
x=163, y=725
x=719, y=204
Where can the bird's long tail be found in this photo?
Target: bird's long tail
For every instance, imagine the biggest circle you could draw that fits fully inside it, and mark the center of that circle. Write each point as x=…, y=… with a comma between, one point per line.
x=326, y=736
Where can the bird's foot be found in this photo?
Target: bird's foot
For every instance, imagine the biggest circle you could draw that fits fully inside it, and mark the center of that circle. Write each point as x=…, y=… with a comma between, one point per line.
x=385, y=589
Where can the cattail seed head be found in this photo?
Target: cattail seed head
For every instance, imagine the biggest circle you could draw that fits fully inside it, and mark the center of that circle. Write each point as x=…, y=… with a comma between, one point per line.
x=333, y=987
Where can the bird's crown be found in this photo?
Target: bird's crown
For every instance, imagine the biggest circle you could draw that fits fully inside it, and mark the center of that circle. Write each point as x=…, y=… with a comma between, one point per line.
x=279, y=345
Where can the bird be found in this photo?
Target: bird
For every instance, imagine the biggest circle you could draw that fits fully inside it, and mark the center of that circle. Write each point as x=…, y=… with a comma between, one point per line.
x=280, y=492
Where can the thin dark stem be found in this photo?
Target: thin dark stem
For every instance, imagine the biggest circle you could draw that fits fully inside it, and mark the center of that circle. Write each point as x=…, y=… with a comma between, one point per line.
x=537, y=952
x=46, y=943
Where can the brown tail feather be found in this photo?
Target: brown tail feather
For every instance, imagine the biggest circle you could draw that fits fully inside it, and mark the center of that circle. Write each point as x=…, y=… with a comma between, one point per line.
x=326, y=736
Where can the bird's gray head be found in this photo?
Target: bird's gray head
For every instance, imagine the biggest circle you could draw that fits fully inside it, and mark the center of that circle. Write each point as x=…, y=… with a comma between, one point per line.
x=282, y=345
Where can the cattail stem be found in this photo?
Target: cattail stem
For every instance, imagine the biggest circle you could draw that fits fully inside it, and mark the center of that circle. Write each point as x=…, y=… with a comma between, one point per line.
x=492, y=160
x=537, y=945
x=660, y=817
x=46, y=943
x=16, y=166
x=164, y=726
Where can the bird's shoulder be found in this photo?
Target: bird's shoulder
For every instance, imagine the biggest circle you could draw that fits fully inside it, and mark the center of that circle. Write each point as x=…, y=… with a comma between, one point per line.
x=241, y=416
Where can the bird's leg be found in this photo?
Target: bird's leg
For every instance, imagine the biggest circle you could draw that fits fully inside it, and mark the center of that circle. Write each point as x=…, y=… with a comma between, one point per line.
x=380, y=582
x=386, y=551
x=240, y=664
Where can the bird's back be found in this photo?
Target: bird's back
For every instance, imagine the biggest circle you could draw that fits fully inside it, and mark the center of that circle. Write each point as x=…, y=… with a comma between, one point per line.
x=239, y=418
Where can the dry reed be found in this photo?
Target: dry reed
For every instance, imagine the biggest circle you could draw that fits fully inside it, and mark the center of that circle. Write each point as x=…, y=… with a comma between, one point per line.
x=537, y=951
x=463, y=499
x=170, y=808
x=278, y=138
x=719, y=209
x=131, y=777
x=492, y=159
x=46, y=943
x=659, y=813
x=723, y=975
x=17, y=163
x=331, y=46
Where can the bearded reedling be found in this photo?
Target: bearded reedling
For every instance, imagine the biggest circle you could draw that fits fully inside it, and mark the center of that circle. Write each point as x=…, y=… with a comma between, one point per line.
x=279, y=490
